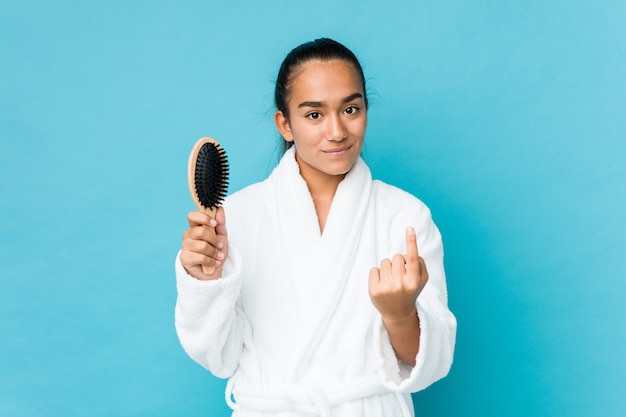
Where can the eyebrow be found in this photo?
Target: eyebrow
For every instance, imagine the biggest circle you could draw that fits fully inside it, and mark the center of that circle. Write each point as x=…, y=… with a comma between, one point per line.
x=321, y=104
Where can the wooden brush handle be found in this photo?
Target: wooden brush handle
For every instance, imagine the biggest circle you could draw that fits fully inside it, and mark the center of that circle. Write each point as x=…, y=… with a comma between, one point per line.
x=208, y=269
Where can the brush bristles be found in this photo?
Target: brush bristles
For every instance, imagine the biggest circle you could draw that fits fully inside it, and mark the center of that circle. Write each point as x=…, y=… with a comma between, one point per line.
x=211, y=175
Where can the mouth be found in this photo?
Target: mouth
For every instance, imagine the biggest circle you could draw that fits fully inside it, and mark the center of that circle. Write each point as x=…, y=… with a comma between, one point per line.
x=338, y=151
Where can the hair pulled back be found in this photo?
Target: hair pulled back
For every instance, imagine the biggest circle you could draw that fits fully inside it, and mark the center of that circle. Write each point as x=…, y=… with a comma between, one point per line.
x=323, y=49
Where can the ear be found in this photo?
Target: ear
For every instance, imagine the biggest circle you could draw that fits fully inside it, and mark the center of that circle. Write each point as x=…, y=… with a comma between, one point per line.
x=283, y=126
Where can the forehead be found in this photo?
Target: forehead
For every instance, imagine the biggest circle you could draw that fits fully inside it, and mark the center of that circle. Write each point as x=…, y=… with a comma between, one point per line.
x=323, y=78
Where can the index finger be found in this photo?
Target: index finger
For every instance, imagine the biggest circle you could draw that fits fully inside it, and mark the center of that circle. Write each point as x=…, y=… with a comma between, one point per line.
x=197, y=218
x=412, y=253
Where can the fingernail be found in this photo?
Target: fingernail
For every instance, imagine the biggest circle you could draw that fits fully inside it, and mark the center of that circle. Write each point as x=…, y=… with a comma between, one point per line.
x=212, y=223
x=220, y=255
x=410, y=230
x=220, y=244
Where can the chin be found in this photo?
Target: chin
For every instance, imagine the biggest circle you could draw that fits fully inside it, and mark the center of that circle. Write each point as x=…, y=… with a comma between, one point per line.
x=341, y=170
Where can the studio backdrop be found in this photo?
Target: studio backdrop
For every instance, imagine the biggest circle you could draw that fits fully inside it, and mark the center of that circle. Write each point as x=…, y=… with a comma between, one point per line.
x=507, y=118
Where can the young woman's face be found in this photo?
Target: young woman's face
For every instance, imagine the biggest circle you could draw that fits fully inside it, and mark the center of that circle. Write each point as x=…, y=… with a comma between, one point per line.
x=327, y=118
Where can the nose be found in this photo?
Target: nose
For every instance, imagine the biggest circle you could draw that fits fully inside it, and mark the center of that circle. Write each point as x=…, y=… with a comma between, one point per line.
x=336, y=129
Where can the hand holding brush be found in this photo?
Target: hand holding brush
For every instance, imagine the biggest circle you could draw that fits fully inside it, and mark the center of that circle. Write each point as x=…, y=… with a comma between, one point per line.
x=205, y=243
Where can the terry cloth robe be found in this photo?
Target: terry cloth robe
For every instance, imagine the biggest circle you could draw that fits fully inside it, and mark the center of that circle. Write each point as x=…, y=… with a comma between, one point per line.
x=291, y=323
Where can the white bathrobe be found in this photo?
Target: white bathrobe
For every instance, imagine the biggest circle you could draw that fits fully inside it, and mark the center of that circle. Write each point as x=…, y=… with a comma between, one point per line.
x=291, y=322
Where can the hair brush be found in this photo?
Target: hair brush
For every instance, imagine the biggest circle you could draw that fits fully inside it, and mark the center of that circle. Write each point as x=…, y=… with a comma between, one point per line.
x=208, y=179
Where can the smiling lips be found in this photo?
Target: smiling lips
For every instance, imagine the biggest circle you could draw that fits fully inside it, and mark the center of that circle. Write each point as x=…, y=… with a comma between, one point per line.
x=338, y=151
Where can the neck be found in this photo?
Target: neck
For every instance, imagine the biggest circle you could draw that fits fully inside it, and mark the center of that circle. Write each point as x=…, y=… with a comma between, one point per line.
x=322, y=188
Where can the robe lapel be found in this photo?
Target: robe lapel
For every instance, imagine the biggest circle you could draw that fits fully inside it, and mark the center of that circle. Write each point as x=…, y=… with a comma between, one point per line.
x=319, y=266
x=297, y=222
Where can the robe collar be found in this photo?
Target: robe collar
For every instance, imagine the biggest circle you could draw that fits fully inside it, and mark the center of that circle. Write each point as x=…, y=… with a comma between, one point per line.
x=319, y=264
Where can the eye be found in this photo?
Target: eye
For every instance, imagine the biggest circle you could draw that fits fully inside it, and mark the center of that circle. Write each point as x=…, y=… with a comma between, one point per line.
x=314, y=115
x=351, y=110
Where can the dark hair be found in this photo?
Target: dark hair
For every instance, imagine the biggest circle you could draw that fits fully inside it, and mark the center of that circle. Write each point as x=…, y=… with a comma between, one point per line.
x=324, y=49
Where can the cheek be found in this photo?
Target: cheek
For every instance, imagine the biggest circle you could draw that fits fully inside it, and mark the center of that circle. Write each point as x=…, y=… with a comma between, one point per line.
x=358, y=127
x=304, y=134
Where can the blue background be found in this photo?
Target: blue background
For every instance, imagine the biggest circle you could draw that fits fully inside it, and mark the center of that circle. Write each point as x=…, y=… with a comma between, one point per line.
x=508, y=118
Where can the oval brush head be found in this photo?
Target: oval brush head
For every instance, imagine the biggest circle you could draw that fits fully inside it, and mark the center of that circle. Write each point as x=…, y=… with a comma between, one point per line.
x=208, y=175
x=208, y=178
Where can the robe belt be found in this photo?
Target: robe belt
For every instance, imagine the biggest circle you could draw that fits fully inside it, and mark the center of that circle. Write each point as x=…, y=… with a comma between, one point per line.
x=307, y=399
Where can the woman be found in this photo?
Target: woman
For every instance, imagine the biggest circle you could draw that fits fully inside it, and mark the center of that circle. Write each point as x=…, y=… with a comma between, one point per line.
x=329, y=294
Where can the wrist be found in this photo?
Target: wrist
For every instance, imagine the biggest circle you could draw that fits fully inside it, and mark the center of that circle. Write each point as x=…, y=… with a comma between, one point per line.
x=401, y=321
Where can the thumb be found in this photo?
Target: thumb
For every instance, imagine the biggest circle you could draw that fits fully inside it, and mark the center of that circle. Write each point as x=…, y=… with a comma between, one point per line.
x=220, y=218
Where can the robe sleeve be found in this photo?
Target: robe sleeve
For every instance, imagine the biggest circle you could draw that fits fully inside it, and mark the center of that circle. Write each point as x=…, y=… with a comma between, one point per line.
x=437, y=323
x=208, y=317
